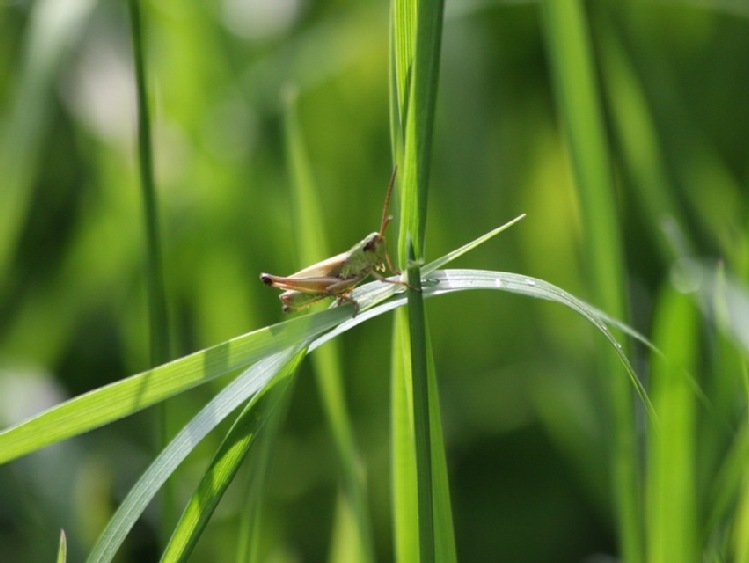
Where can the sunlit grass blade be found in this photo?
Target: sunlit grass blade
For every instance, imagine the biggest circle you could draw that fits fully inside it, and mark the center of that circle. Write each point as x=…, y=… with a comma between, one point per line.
x=62, y=552
x=402, y=45
x=449, y=280
x=450, y=256
x=423, y=34
x=123, y=398
x=120, y=399
x=117, y=400
x=238, y=443
x=271, y=345
x=232, y=396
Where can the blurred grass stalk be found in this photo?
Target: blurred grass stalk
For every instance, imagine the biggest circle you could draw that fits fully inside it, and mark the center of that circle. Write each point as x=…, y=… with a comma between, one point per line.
x=54, y=30
x=352, y=541
x=671, y=478
x=422, y=518
x=158, y=321
x=578, y=98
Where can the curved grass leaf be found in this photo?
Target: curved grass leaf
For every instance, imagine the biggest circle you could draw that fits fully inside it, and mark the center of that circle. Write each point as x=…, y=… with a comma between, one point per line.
x=272, y=348
x=123, y=398
x=62, y=551
x=233, y=395
x=253, y=380
x=225, y=464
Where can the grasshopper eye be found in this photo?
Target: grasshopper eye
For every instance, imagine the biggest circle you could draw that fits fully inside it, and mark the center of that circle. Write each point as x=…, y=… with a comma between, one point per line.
x=371, y=243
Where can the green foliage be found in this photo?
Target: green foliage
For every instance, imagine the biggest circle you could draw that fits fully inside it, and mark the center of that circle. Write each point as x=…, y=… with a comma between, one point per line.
x=619, y=128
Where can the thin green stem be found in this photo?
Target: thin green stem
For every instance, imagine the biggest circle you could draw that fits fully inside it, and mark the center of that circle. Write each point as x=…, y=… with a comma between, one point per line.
x=420, y=396
x=158, y=322
x=157, y=314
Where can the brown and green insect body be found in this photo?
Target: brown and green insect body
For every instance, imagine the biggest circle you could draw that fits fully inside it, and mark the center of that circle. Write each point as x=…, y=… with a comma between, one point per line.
x=339, y=275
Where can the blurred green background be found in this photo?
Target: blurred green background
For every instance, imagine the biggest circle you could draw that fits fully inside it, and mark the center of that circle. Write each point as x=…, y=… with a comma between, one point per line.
x=524, y=413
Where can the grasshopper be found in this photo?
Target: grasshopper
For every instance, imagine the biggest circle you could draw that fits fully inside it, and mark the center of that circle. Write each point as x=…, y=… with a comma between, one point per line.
x=339, y=275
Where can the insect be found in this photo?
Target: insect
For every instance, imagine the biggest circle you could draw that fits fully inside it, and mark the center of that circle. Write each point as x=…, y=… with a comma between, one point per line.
x=339, y=275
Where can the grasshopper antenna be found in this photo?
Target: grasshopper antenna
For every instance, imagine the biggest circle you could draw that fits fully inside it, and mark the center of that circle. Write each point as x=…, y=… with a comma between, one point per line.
x=385, y=217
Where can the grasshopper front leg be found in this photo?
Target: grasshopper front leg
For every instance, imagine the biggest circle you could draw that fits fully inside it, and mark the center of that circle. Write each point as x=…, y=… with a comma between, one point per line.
x=382, y=278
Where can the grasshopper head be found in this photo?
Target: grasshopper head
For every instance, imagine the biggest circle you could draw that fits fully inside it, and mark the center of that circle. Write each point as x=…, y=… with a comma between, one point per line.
x=375, y=251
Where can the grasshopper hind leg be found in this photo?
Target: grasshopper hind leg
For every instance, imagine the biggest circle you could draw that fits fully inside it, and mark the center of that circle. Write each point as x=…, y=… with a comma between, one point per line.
x=296, y=301
x=293, y=301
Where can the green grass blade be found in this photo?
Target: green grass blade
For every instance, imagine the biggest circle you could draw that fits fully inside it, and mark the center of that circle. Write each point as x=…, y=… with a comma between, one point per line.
x=402, y=44
x=270, y=344
x=444, y=534
x=416, y=35
x=232, y=396
x=269, y=404
x=250, y=521
x=55, y=28
x=137, y=392
x=312, y=247
x=159, y=340
x=740, y=531
x=421, y=407
x=449, y=281
x=570, y=53
x=450, y=256
x=638, y=137
x=424, y=35
x=459, y=280
x=671, y=478
x=728, y=485
x=402, y=451
x=62, y=551
x=724, y=301
x=158, y=323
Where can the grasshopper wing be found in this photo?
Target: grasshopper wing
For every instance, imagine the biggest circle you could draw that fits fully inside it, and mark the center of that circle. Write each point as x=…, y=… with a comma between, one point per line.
x=328, y=268
x=302, y=285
